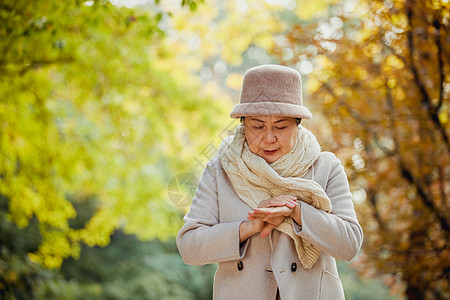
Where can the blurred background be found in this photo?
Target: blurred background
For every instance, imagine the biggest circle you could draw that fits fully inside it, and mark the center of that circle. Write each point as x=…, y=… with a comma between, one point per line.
x=109, y=111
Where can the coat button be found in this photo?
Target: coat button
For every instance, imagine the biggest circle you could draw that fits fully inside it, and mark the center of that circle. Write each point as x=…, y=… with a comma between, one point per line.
x=294, y=267
x=240, y=265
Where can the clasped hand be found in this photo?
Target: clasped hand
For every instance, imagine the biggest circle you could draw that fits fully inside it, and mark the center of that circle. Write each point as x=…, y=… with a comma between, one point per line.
x=271, y=212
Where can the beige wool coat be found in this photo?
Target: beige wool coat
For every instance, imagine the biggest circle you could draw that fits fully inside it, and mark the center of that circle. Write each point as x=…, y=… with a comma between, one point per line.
x=255, y=268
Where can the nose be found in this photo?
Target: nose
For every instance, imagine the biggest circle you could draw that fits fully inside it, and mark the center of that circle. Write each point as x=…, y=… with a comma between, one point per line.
x=269, y=136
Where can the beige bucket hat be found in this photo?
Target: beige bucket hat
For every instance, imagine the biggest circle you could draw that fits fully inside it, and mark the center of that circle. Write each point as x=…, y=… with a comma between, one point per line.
x=271, y=90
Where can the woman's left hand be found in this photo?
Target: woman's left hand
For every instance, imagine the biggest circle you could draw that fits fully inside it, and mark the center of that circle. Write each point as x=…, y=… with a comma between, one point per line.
x=279, y=201
x=273, y=215
x=273, y=211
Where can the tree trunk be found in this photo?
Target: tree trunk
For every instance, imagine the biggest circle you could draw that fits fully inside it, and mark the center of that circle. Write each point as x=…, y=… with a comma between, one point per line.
x=414, y=292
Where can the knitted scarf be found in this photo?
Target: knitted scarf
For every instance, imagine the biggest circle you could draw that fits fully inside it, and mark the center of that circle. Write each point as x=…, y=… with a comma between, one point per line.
x=255, y=180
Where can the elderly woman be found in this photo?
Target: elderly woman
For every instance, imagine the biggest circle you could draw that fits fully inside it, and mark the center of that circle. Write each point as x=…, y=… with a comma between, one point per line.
x=272, y=209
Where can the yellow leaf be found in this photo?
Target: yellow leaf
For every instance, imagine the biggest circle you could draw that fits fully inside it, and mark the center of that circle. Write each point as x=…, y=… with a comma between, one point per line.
x=443, y=114
x=307, y=9
x=395, y=62
x=391, y=82
x=312, y=85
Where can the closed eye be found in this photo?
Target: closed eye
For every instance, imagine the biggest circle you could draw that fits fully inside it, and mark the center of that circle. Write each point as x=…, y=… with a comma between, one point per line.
x=279, y=128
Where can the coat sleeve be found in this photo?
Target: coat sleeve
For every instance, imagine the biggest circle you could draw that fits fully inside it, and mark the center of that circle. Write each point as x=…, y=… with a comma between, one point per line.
x=203, y=239
x=337, y=233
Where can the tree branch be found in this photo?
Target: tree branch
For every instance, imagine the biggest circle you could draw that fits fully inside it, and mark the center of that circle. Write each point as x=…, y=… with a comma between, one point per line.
x=391, y=116
x=405, y=172
x=437, y=27
x=360, y=120
x=42, y=63
x=427, y=201
x=442, y=185
x=426, y=101
x=372, y=197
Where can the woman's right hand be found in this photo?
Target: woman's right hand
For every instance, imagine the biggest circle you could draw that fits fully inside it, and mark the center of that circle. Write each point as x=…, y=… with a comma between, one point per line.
x=251, y=227
x=254, y=226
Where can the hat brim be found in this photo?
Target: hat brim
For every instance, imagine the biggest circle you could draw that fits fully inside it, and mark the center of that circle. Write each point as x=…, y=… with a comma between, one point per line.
x=270, y=109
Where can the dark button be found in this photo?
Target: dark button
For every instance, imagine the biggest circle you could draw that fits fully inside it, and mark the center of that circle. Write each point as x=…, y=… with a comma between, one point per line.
x=240, y=265
x=294, y=267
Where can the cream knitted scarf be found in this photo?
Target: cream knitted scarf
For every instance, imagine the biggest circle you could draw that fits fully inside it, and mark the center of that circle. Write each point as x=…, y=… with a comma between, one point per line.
x=255, y=180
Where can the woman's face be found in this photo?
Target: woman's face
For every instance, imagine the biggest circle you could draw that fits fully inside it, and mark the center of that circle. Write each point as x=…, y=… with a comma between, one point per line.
x=270, y=137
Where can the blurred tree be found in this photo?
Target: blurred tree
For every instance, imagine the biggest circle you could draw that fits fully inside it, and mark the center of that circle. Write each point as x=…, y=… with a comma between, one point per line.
x=358, y=288
x=130, y=269
x=21, y=278
x=98, y=109
x=125, y=269
x=87, y=113
x=382, y=79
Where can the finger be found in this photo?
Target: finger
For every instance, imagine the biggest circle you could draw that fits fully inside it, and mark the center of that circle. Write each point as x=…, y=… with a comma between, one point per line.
x=292, y=204
x=289, y=197
x=270, y=211
x=281, y=200
x=256, y=216
x=272, y=203
x=265, y=210
x=257, y=213
x=292, y=199
x=267, y=230
x=273, y=220
x=288, y=200
x=272, y=216
x=264, y=216
x=273, y=210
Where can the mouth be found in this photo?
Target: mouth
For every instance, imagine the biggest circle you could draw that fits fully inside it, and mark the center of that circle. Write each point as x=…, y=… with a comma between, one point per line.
x=270, y=152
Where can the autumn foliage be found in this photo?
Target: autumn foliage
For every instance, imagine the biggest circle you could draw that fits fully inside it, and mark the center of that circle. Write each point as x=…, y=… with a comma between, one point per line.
x=101, y=105
x=87, y=115
x=382, y=80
